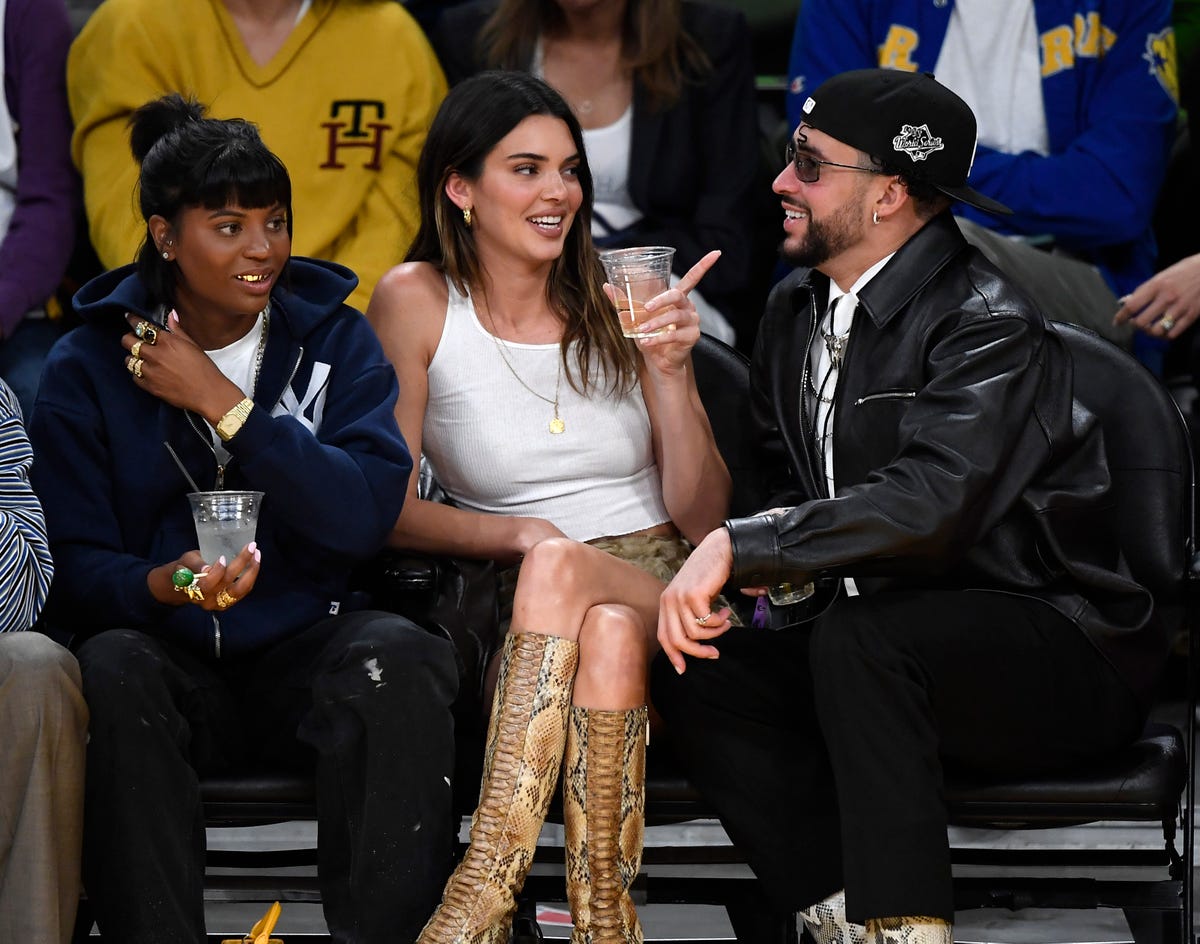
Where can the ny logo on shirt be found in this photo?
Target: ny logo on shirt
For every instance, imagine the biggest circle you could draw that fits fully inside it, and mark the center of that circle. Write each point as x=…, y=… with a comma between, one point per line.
x=309, y=409
x=350, y=128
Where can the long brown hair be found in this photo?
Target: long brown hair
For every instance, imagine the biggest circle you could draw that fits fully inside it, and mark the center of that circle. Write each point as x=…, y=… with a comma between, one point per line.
x=654, y=45
x=472, y=120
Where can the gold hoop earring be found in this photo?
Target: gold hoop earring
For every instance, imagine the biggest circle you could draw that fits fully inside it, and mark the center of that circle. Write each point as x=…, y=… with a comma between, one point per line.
x=467, y=216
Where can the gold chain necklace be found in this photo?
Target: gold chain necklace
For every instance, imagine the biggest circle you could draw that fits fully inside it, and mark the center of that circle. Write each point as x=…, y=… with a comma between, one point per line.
x=556, y=424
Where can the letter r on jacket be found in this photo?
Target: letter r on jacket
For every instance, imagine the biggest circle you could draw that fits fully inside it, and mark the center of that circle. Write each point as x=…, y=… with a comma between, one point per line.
x=897, y=49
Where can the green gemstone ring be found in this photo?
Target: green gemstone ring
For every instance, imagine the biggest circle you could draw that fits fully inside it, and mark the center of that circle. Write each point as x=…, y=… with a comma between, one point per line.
x=182, y=578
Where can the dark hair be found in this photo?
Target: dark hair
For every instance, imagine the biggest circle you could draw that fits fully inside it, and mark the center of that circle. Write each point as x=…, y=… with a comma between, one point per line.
x=927, y=200
x=472, y=120
x=654, y=44
x=188, y=160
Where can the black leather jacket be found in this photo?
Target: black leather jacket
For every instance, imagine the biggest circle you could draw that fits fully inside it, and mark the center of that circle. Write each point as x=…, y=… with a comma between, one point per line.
x=961, y=459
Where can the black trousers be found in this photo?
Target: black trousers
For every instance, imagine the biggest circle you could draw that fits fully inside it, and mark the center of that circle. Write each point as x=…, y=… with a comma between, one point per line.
x=823, y=748
x=363, y=698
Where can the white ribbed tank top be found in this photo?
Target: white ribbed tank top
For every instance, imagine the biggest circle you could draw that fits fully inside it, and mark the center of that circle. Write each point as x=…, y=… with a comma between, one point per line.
x=488, y=439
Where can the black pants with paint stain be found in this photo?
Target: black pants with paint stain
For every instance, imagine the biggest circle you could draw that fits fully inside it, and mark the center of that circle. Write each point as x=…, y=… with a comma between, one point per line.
x=823, y=747
x=363, y=699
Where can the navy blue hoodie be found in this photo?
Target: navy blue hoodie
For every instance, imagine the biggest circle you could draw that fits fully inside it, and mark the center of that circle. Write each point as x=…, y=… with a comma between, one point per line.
x=322, y=443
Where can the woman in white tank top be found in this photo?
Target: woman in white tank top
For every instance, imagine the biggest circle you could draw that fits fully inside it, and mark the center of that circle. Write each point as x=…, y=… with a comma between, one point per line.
x=565, y=448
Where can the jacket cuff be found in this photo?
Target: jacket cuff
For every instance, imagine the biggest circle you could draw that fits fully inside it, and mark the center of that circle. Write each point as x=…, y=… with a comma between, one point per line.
x=755, y=544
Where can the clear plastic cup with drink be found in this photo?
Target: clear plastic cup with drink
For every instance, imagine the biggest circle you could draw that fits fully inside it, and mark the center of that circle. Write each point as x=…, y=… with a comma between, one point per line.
x=789, y=594
x=226, y=522
x=637, y=274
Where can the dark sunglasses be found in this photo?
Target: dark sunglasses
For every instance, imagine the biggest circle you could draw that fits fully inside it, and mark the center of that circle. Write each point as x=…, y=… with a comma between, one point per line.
x=808, y=169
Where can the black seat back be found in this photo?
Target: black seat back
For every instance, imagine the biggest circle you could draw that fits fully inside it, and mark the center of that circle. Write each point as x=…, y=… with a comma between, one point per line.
x=1149, y=458
x=723, y=380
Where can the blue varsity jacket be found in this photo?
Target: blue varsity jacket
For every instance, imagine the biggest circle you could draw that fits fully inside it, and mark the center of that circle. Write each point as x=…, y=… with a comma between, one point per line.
x=1110, y=88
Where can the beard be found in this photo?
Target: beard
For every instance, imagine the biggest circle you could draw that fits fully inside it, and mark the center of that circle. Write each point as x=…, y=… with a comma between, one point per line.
x=826, y=238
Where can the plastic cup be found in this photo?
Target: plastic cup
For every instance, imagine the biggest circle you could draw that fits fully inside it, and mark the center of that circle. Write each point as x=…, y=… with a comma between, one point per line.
x=787, y=594
x=637, y=274
x=225, y=522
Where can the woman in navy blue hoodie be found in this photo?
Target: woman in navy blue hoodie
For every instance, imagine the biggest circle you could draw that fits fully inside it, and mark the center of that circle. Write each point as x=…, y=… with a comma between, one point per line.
x=217, y=359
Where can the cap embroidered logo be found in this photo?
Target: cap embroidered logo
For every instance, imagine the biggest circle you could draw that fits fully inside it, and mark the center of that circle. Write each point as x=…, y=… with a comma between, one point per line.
x=916, y=141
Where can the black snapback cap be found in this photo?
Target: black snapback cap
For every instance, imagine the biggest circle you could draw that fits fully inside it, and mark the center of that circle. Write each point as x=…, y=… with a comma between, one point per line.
x=909, y=120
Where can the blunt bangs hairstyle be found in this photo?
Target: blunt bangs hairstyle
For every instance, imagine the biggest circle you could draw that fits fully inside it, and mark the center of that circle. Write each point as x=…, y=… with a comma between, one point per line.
x=188, y=160
x=472, y=120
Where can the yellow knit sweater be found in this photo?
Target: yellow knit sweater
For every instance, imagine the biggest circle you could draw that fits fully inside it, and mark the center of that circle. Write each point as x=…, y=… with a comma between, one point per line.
x=346, y=104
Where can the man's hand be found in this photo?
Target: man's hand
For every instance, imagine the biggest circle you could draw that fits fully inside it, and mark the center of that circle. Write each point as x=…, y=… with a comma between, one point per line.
x=685, y=615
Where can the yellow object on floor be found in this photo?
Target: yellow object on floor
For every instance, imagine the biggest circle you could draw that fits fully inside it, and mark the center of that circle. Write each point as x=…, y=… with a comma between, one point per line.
x=261, y=932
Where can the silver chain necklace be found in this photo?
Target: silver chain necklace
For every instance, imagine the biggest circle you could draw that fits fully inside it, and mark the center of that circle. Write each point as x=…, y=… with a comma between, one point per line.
x=258, y=360
x=262, y=347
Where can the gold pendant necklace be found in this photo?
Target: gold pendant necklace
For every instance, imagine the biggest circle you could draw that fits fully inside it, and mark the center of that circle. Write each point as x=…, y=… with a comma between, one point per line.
x=556, y=425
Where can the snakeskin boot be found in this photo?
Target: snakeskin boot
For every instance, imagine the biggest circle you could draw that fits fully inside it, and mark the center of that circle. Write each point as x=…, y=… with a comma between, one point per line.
x=524, y=753
x=826, y=922
x=604, y=799
x=920, y=930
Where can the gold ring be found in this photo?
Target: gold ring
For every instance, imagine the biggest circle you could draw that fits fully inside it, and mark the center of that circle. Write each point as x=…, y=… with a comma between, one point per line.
x=147, y=332
x=703, y=620
x=134, y=366
x=194, y=593
x=1166, y=322
x=136, y=349
x=225, y=599
x=671, y=328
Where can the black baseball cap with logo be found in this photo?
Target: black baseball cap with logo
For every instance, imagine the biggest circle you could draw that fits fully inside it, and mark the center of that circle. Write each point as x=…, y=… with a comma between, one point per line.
x=908, y=120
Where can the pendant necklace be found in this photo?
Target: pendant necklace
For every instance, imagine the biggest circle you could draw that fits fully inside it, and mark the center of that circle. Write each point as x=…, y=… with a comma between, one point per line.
x=556, y=425
x=835, y=345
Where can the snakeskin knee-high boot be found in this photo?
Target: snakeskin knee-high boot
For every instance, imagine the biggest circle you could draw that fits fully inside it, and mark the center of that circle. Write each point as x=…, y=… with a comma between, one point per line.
x=524, y=753
x=826, y=922
x=911, y=930
x=604, y=799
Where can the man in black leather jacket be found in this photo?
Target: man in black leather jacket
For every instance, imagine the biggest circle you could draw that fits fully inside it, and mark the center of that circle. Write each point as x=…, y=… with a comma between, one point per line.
x=928, y=463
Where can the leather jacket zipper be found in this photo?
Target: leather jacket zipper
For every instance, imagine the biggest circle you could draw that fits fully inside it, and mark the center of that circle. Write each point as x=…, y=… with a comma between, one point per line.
x=887, y=395
x=805, y=396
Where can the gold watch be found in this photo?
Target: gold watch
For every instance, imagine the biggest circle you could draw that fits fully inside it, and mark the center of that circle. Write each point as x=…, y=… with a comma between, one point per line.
x=229, y=424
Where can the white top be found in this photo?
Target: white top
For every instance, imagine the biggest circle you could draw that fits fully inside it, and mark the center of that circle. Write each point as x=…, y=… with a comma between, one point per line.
x=838, y=321
x=488, y=441
x=237, y=362
x=608, y=157
x=990, y=58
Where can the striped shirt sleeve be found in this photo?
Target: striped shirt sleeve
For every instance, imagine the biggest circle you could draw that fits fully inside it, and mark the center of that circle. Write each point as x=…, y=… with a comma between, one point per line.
x=25, y=563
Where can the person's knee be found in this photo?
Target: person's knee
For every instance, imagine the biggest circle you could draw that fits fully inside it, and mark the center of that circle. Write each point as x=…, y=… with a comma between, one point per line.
x=553, y=564
x=116, y=666
x=37, y=673
x=613, y=648
x=388, y=656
